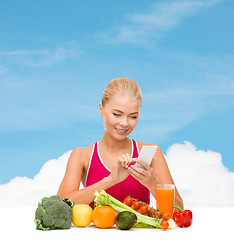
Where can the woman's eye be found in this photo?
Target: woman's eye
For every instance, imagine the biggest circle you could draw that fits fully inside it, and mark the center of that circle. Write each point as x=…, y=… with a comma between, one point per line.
x=134, y=117
x=116, y=114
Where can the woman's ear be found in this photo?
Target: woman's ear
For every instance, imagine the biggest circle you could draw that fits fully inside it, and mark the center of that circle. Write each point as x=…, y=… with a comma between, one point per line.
x=101, y=109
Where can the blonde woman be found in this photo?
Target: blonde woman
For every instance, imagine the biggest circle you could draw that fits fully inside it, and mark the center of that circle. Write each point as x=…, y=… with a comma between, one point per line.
x=105, y=164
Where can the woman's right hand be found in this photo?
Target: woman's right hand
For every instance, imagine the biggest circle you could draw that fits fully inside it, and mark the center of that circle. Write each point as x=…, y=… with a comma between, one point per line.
x=120, y=169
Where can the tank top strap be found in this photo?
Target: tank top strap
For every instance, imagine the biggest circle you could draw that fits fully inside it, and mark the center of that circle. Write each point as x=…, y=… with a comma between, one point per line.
x=93, y=162
x=135, y=152
x=94, y=155
x=95, y=151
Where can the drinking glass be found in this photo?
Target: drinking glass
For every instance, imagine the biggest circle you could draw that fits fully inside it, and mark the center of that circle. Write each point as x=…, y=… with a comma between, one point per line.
x=165, y=198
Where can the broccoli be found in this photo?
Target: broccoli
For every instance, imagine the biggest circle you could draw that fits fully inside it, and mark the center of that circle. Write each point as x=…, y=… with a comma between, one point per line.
x=53, y=213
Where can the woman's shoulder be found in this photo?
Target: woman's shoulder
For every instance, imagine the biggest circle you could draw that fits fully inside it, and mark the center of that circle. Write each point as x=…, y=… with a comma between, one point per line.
x=83, y=151
x=81, y=155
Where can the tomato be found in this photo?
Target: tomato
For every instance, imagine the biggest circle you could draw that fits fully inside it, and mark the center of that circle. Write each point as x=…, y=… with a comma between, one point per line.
x=164, y=225
x=128, y=201
x=166, y=216
x=144, y=209
x=136, y=205
x=152, y=212
x=158, y=213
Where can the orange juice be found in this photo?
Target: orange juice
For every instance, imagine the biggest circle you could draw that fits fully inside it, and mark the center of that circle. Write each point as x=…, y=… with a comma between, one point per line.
x=165, y=196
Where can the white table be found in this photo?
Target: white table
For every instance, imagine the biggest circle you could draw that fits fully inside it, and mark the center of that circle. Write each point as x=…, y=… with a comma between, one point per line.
x=208, y=223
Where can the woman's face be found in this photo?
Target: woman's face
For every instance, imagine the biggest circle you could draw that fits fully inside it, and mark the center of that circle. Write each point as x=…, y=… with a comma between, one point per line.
x=120, y=115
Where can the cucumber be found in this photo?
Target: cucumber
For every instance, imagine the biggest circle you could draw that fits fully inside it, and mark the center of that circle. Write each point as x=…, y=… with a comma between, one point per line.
x=125, y=220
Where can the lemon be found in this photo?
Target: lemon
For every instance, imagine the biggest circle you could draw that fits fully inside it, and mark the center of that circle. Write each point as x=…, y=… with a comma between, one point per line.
x=82, y=215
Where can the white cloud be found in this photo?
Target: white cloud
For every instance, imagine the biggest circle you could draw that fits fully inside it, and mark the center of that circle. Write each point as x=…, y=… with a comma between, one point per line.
x=200, y=177
x=164, y=16
x=23, y=191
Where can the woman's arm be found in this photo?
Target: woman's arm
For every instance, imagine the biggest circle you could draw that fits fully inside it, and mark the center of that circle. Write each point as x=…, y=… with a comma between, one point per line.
x=75, y=170
x=163, y=175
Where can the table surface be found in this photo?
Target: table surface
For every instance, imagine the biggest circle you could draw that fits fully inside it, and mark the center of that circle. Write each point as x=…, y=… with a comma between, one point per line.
x=18, y=223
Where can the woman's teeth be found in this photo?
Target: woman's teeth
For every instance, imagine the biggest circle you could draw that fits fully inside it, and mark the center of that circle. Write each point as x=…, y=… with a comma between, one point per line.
x=121, y=130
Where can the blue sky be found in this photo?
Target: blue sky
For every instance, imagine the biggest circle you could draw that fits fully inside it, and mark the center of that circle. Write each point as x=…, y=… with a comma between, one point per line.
x=57, y=56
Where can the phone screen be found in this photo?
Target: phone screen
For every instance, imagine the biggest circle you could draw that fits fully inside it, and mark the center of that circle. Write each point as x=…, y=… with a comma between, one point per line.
x=146, y=154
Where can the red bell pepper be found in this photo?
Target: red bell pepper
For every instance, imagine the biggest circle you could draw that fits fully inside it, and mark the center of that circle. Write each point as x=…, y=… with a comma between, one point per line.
x=182, y=218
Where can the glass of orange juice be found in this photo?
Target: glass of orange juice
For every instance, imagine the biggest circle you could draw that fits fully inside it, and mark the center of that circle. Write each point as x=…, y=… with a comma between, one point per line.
x=165, y=198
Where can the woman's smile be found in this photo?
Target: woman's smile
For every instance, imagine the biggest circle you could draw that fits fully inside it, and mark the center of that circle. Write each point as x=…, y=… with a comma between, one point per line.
x=121, y=131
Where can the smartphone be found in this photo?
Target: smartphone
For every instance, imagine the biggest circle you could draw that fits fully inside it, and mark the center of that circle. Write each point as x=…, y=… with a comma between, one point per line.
x=146, y=154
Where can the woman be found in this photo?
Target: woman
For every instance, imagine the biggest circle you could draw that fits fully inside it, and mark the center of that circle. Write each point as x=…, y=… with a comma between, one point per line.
x=107, y=164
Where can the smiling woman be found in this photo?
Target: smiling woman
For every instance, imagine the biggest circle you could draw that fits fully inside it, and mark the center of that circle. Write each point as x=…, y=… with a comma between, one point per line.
x=108, y=164
x=120, y=114
x=124, y=107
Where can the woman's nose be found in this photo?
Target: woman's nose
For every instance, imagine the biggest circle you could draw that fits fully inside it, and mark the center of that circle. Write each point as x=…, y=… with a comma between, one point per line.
x=124, y=121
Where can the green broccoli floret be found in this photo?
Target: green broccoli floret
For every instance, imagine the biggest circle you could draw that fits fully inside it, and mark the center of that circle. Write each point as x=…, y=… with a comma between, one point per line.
x=53, y=213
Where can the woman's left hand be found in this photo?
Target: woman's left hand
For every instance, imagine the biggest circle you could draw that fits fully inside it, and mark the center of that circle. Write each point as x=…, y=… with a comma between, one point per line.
x=144, y=176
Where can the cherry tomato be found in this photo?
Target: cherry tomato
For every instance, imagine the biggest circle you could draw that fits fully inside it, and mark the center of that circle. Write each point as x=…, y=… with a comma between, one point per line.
x=152, y=212
x=144, y=210
x=128, y=201
x=166, y=216
x=136, y=205
x=164, y=225
x=159, y=214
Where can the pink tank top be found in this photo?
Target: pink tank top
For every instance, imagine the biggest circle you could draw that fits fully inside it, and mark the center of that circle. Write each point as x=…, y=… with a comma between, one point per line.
x=129, y=187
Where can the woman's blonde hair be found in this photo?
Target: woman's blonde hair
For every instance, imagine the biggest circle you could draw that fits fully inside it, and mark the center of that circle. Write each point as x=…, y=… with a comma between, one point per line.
x=122, y=86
